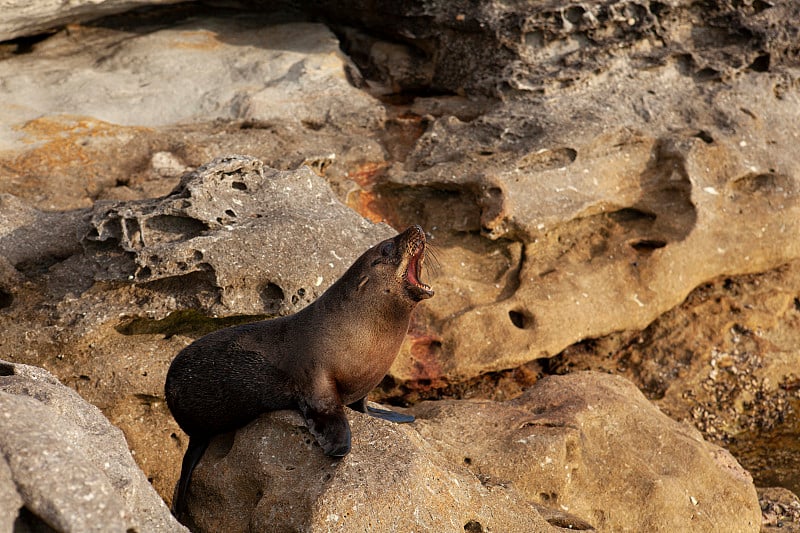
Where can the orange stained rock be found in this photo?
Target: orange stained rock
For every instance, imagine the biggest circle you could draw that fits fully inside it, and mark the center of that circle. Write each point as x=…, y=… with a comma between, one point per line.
x=62, y=141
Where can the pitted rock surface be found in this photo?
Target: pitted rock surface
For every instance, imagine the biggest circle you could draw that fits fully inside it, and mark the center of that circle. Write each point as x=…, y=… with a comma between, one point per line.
x=230, y=214
x=587, y=445
x=64, y=466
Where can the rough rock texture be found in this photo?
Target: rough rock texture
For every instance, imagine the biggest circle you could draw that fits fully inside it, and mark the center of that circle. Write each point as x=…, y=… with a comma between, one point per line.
x=259, y=76
x=25, y=17
x=391, y=479
x=587, y=444
x=595, y=198
x=64, y=465
x=582, y=169
x=132, y=279
x=229, y=213
x=724, y=360
x=544, y=46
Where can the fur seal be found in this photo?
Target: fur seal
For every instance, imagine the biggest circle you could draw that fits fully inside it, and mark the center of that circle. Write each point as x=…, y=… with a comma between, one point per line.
x=327, y=355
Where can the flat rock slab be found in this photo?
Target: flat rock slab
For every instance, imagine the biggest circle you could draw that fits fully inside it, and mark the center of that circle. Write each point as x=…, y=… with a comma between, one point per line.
x=64, y=465
x=587, y=445
x=23, y=18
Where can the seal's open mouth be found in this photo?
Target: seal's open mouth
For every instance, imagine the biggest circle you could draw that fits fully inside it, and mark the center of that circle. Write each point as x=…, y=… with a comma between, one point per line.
x=414, y=270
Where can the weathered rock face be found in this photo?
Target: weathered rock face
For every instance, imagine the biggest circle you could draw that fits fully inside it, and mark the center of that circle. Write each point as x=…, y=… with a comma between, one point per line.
x=258, y=94
x=582, y=168
x=725, y=360
x=230, y=213
x=131, y=279
x=271, y=476
x=64, y=465
x=587, y=444
x=23, y=18
x=489, y=46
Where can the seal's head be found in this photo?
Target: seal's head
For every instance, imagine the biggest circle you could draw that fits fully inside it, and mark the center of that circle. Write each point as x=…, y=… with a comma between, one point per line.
x=399, y=259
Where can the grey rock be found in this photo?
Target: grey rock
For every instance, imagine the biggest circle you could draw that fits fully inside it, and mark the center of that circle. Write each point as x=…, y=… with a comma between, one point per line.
x=271, y=475
x=65, y=465
x=586, y=448
x=22, y=18
x=266, y=241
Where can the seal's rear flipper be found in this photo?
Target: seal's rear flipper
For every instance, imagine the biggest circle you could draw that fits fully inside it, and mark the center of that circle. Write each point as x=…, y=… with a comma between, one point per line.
x=362, y=407
x=329, y=426
x=196, y=449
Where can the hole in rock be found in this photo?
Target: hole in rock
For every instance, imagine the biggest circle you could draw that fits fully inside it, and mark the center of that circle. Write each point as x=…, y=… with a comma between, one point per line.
x=704, y=136
x=6, y=369
x=467, y=460
x=144, y=273
x=6, y=299
x=647, y=246
x=574, y=14
x=706, y=74
x=27, y=520
x=473, y=526
x=761, y=5
x=239, y=185
x=170, y=228
x=761, y=63
x=520, y=319
x=230, y=213
x=565, y=522
x=197, y=255
x=272, y=296
x=631, y=214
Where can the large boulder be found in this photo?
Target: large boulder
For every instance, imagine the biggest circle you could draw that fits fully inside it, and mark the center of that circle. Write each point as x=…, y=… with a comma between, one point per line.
x=64, y=466
x=588, y=444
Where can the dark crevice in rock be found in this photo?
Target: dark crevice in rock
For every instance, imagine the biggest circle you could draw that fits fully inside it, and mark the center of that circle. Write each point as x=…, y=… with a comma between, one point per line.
x=500, y=385
x=38, y=266
x=6, y=298
x=6, y=369
x=30, y=522
x=191, y=322
x=27, y=44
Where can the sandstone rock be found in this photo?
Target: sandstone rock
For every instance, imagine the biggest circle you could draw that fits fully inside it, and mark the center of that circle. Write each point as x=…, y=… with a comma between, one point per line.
x=587, y=444
x=725, y=360
x=492, y=46
x=24, y=18
x=65, y=466
x=592, y=445
x=235, y=242
x=271, y=475
x=230, y=214
x=684, y=120
x=262, y=77
x=601, y=204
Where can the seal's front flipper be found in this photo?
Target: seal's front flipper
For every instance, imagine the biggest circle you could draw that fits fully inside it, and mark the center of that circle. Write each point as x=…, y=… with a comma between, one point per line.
x=329, y=426
x=362, y=407
x=196, y=449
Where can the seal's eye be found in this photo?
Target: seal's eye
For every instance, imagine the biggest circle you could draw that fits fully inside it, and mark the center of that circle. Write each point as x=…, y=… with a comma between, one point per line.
x=387, y=248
